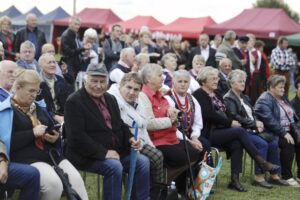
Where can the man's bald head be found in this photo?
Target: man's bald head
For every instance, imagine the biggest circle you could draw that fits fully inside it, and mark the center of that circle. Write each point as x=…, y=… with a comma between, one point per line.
x=7, y=74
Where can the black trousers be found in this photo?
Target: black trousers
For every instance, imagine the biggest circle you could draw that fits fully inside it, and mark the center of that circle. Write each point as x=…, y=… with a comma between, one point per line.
x=233, y=140
x=175, y=155
x=287, y=152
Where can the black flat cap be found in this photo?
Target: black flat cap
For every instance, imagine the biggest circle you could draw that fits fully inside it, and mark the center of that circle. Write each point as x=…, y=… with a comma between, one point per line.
x=97, y=69
x=243, y=38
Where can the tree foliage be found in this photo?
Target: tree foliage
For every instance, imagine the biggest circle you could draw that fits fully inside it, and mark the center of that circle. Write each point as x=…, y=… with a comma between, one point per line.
x=277, y=4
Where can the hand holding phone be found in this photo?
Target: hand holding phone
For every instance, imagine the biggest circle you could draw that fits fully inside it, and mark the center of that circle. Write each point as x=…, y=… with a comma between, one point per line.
x=50, y=129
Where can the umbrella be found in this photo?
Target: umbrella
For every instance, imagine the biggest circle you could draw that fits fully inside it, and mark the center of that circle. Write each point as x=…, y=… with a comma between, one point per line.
x=133, y=158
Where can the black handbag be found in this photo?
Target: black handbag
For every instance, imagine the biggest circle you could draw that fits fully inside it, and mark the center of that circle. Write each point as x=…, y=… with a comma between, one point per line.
x=295, y=131
x=294, y=128
x=70, y=193
x=266, y=136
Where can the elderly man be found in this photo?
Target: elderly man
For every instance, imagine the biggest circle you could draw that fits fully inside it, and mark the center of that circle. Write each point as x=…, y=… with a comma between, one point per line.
x=62, y=68
x=31, y=33
x=242, y=52
x=225, y=67
x=13, y=175
x=99, y=140
x=225, y=51
x=54, y=89
x=205, y=50
x=282, y=61
x=125, y=64
x=71, y=48
x=27, y=60
x=113, y=46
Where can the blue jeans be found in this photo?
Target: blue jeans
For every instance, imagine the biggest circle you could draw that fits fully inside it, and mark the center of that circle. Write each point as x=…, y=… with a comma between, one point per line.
x=23, y=177
x=112, y=170
x=269, y=151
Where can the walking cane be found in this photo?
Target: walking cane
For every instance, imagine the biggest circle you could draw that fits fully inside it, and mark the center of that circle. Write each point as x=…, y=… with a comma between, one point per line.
x=189, y=161
x=133, y=158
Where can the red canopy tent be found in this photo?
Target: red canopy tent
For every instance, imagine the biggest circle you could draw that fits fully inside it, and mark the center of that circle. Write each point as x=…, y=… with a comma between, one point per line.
x=92, y=18
x=265, y=23
x=134, y=24
x=186, y=27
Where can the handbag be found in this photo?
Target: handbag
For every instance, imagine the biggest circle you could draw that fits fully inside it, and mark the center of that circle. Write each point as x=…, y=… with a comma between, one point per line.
x=294, y=128
x=205, y=179
x=70, y=193
x=295, y=131
x=266, y=136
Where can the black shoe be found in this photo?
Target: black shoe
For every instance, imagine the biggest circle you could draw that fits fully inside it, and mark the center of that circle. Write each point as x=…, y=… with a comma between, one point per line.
x=263, y=184
x=280, y=182
x=266, y=166
x=236, y=186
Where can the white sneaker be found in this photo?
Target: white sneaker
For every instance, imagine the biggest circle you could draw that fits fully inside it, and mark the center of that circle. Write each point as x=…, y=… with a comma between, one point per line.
x=293, y=183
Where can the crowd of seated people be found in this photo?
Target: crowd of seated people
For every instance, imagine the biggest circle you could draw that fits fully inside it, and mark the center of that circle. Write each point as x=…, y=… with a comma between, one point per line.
x=175, y=95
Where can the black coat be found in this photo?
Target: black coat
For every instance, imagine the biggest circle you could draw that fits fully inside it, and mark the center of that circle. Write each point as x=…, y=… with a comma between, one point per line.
x=22, y=36
x=210, y=116
x=62, y=91
x=88, y=136
x=23, y=149
x=70, y=50
x=223, y=86
x=211, y=61
x=5, y=46
x=237, y=112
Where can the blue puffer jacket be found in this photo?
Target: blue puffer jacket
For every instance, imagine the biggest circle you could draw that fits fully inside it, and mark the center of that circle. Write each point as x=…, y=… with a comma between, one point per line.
x=268, y=111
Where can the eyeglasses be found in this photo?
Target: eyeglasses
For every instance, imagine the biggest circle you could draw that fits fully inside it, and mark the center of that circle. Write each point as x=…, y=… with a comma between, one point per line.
x=35, y=92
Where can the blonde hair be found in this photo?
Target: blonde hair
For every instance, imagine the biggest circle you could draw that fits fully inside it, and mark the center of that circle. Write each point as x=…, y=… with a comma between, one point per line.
x=167, y=56
x=5, y=19
x=26, y=76
x=205, y=72
x=199, y=58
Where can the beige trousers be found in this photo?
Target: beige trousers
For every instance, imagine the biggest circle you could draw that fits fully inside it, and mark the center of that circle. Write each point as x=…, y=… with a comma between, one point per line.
x=51, y=185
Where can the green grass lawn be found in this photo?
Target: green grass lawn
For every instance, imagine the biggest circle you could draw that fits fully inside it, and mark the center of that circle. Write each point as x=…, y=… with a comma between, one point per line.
x=221, y=191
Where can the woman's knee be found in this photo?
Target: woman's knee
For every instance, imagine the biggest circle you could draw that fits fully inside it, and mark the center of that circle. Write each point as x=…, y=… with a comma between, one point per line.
x=49, y=180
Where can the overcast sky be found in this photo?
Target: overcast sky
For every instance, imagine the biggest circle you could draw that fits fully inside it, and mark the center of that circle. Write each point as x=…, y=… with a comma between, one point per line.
x=164, y=10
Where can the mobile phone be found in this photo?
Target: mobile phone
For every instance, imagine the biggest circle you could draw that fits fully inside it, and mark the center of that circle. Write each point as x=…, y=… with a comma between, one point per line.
x=55, y=127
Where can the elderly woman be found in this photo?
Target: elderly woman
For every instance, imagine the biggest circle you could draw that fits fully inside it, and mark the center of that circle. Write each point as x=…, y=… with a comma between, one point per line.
x=140, y=61
x=197, y=64
x=239, y=108
x=133, y=109
x=223, y=131
x=169, y=62
x=7, y=38
x=31, y=140
x=190, y=121
x=274, y=109
x=89, y=54
x=162, y=119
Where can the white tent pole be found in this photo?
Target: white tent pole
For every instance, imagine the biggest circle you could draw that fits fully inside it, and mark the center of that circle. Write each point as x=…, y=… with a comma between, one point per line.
x=74, y=7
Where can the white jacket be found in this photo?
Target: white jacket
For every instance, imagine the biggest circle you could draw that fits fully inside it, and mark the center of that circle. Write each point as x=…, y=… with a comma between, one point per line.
x=128, y=113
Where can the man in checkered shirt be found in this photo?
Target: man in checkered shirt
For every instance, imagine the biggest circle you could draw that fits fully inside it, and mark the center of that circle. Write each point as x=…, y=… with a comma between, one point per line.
x=282, y=61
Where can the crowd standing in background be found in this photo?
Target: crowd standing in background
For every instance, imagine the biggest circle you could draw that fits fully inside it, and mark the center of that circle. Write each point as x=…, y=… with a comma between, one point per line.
x=225, y=93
